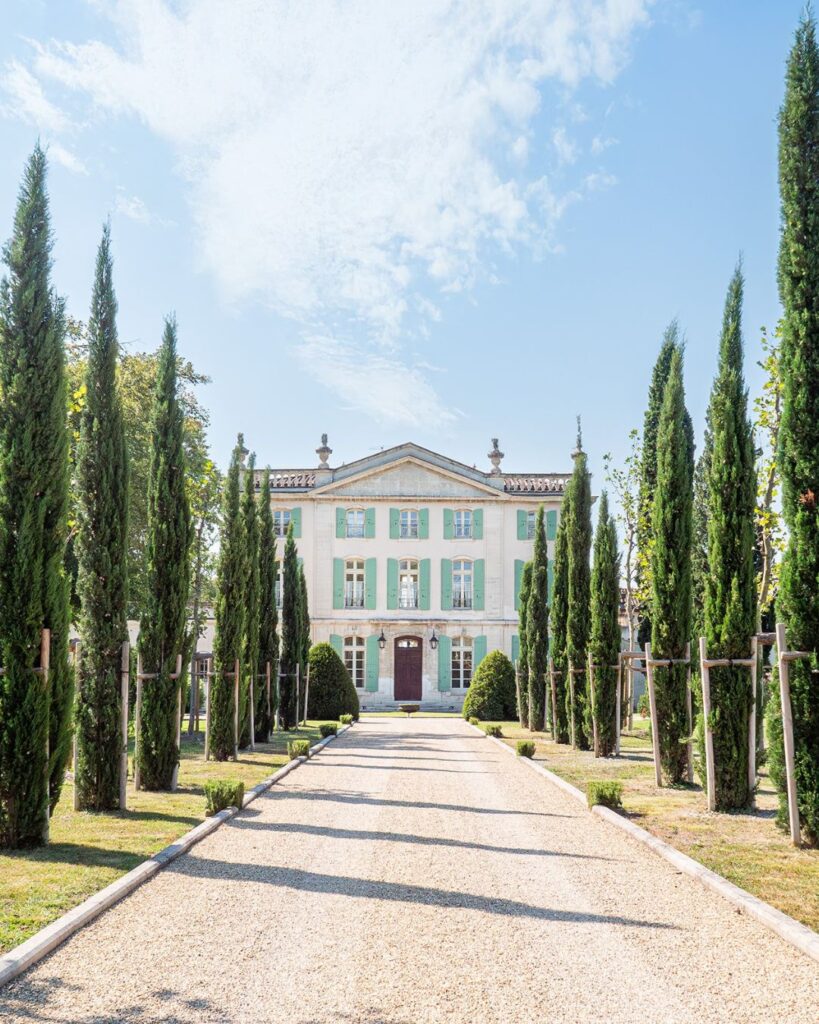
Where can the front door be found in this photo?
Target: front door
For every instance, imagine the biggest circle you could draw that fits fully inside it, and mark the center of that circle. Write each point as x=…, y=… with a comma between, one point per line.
x=408, y=653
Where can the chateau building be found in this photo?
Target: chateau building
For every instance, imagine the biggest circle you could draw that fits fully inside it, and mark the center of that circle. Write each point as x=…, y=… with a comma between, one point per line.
x=413, y=563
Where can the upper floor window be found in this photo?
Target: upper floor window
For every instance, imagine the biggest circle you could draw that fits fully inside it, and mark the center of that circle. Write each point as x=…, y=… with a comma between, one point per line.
x=355, y=522
x=463, y=522
x=279, y=587
x=462, y=583
x=530, y=525
x=408, y=583
x=281, y=520
x=408, y=523
x=461, y=662
x=354, y=659
x=354, y=583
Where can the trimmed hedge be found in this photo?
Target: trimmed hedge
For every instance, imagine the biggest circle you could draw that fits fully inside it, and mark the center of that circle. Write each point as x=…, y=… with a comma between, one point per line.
x=328, y=729
x=474, y=721
x=493, y=730
x=331, y=690
x=298, y=748
x=525, y=748
x=221, y=794
x=606, y=793
x=491, y=696
x=345, y=719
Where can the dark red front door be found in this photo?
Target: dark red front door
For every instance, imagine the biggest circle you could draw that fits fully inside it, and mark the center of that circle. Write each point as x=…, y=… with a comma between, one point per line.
x=408, y=652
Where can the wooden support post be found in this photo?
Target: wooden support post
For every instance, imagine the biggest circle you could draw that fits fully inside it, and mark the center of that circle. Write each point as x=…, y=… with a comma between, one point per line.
x=553, y=688
x=45, y=665
x=306, y=691
x=138, y=724
x=252, y=700
x=690, y=744
x=269, y=707
x=208, y=676
x=175, y=776
x=787, y=734
x=652, y=703
x=752, y=722
x=298, y=692
x=236, y=689
x=278, y=699
x=590, y=670
x=618, y=706
x=710, y=774
x=571, y=692
x=124, y=679
x=76, y=745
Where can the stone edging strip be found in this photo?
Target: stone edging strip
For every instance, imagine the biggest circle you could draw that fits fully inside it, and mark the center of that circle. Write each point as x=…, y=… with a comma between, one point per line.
x=19, y=959
x=792, y=931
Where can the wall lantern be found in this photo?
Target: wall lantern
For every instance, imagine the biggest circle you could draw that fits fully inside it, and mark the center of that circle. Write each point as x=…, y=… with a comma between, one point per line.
x=433, y=640
x=382, y=640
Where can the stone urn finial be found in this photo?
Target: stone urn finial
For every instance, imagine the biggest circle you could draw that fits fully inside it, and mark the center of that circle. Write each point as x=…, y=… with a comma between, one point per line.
x=495, y=457
x=323, y=452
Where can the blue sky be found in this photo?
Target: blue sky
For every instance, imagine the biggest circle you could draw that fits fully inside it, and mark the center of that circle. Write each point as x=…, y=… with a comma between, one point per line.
x=428, y=221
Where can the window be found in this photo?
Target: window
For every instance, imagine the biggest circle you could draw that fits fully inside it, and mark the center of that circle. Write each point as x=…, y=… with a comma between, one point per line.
x=355, y=522
x=530, y=525
x=462, y=583
x=408, y=523
x=281, y=520
x=461, y=662
x=278, y=584
x=463, y=522
x=407, y=583
x=354, y=583
x=354, y=659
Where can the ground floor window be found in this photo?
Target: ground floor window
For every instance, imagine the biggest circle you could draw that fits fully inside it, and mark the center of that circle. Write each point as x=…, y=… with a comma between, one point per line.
x=461, y=662
x=354, y=659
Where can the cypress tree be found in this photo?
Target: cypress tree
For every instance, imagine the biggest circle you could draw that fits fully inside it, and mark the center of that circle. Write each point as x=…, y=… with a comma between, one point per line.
x=35, y=728
x=268, y=614
x=798, y=602
x=250, y=660
x=304, y=620
x=579, y=540
x=230, y=607
x=537, y=627
x=560, y=618
x=604, y=642
x=522, y=676
x=730, y=584
x=292, y=638
x=648, y=474
x=162, y=629
x=671, y=571
x=102, y=551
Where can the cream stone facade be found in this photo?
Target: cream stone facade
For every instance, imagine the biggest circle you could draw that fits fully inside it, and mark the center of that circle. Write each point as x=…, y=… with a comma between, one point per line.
x=413, y=564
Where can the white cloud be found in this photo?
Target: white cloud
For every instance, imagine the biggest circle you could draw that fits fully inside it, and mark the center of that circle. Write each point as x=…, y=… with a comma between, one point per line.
x=343, y=160
x=65, y=158
x=567, y=150
x=600, y=143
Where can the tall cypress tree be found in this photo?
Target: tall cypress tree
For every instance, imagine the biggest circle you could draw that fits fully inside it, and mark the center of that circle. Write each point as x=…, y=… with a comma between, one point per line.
x=292, y=641
x=579, y=541
x=560, y=618
x=730, y=584
x=304, y=619
x=648, y=475
x=537, y=627
x=268, y=614
x=798, y=603
x=522, y=677
x=230, y=609
x=162, y=628
x=102, y=550
x=35, y=729
x=604, y=641
x=250, y=661
x=671, y=571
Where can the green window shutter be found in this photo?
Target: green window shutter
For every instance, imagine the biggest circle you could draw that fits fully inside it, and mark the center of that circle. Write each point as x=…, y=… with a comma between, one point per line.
x=394, y=517
x=424, y=581
x=371, y=664
x=551, y=524
x=423, y=524
x=369, y=523
x=550, y=580
x=477, y=523
x=522, y=524
x=337, y=643
x=338, y=582
x=478, y=651
x=341, y=522
x=519, y=563
x=370, y=569
x=446, y=585
x=515, y=648
x=444, y=663
x=295, y=519
x=478, y=574
x=392, y=584
x=449, y=524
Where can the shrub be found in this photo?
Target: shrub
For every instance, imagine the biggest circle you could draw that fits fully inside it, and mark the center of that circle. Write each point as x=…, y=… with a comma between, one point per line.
x=345, y=719
x=491, y=695
x=328, y=729
x=298, y=748
x=643, y=707
x=525, y=748
x=607, y=793
x=473, y=720
x=222, y=793
x=493, y=730
x=331, y=690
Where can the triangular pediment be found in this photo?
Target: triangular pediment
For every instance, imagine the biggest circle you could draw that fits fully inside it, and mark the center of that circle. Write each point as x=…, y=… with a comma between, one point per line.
x=408, y=476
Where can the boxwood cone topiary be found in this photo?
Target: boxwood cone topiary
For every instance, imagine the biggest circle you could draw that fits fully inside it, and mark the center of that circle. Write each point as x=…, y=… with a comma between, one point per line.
x=223, y=793
x=328, y=729
x=525, y=748
x=606, y=793
x=493, y=730
x=331, y=690
x=345, y=719
x=492, y=695
x=298, y=748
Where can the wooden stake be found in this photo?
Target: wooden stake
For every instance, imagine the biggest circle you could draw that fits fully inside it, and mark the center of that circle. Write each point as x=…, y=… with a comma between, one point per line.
x=652, y=703
x=710, y=775
x=278, y=699
x=590, y=670
x=752, y=722
x=253, y=709
x=787, y=734
x=45, y=665
x=138, y=724
x=236, y=710
x=76, y=752
x=306, y=691
x=208, y=674
x=690, y=744
x=124, y=679
x=553, y=687
x=618, y=707
x=267, y=688
x=175, y=776
x=571, y=692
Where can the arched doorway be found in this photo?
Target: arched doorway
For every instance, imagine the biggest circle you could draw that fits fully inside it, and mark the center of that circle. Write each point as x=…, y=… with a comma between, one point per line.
x=407, y=684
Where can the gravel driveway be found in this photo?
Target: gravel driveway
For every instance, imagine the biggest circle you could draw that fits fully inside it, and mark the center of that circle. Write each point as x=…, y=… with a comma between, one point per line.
x=413, y=872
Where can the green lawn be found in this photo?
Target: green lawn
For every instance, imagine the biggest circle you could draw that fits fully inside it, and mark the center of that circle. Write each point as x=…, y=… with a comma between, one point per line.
x=88, y=851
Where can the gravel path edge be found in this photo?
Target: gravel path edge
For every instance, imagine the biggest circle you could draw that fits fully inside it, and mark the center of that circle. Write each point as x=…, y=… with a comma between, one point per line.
x=45, y=941
x=787, y=928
